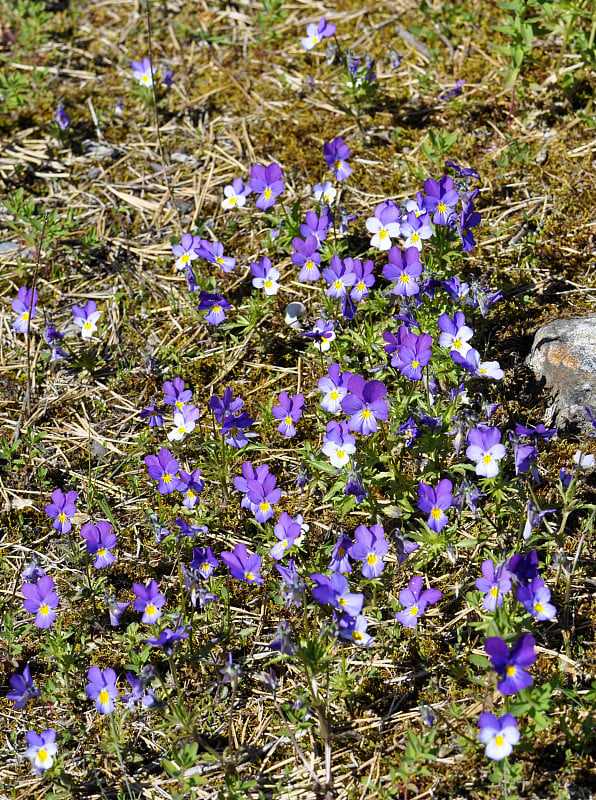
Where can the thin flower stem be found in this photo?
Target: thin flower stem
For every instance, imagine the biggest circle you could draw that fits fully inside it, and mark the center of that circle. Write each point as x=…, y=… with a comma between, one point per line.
x=27, y=333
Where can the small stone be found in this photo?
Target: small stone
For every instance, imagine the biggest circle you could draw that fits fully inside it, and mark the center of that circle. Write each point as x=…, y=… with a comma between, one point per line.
x=563, y=356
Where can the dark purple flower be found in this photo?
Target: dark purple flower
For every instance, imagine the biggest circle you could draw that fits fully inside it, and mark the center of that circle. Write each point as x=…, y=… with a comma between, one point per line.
x=413, y=354
x=149, y=600
x=153, y=416
x=140, y=692
x=495, y=583
x=340, y=557
x=365, y=404
x=41, y=600
x=204, y=561
x=315, y=226
x=468, y=219
x=435, y=502
x=323, y=334
x=100, y=540
x=455, y=91
x=509, y=664
x=227, y=404
x=23, y=688
x=234, y=427
x=263, y=494
x=462, y=172
x=190, y=485
x=415, y=601
x=288, y=411
x=33, y=571
x=242, y=566
x=54, y=337
x=163, y=468
x=525, y=456
x=62, y=118
x=524, y=566
x=355, y=486
x=405, y=547
x=267, y=183
x=539, y=432
x=167, y=639
x=215, y=304
x=62, y=509
x=336, y=154
x=102, y=688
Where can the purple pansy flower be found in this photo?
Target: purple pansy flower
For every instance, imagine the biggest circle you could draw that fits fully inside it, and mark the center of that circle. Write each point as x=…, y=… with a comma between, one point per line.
x=167, y=639
x=204, y=561
x=185, y=252
x=25, y=308
x=338, y=444
x=102, y=688
x=415, y=601
x=315, y=226
x=216, y=304
x=524, y=566
x=62, y=509
x=535, y=598
x=242, y=566
x=336, y=154
x=23, y=688
x=440, y=199
x=384, y=225
x=455, y=334
x=190, y=485
x=175, y=394
x=414, y=353
x=234, y=427
x=163, y=468
x=288, y=411
x=184, y=422
x=41, y=600
x=364, y=277
x=62, y=118
x=534, y=518
x=435, y=503
x=115, y=609
x=365, y=403
x=41, y=751
x=369, y=548
x=287, y=531
x=224, y=405
x=263, y=495
x=153, y=415
x=265, y=276
x=354, y=629
x=415, y=230
x=485, y=449
x=404, y=270
x=333, y=590
x=315, y=33
x=143, y=72
x=335, y=388
x=100, y=540
x=213, y=252
x=306, y=257
x=495, y=583
x=86, y=318
x=293, y=586
x=470, y=360
x=509, y=664
x=267, y=183
x=340, y=557
x=323, y=333
x=149, y=600
x=339, y=276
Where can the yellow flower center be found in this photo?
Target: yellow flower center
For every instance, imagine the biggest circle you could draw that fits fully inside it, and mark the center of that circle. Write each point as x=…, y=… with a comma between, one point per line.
x=415, y=237
x=104, y=697
x=494, y=591
x=509, y=670
x=216, y=309
x=185, y=258
x=338, y=284
x=265, y=506
x=499, y=740
x=404, y=278
x=342, y=601
x=382, y=234
x=436, y=513
x=166, y=478
x=249, y=576
x=414, y=611
x=190, y=494
x=371, y=559
x=62, y=517
x=456, y=344
x=366, y=412
x=45, y=609
x=150, y=609
x=205, y=567
x=267, y=194
x=25, y=316
x=288, y=420
x=538, y=607
x=145, y=79
x=441, y=208
x=87, y=326
x=310, y=265
x=415, y=364
x=334, y=395
x=42, y=755
x=341, y=453
x=356, y=636
x=101, y=551
x=360, y=286
x=487, y=458
x=219, y=260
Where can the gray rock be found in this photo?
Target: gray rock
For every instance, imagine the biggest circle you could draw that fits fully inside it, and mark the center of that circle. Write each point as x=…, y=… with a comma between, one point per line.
x=564, y=357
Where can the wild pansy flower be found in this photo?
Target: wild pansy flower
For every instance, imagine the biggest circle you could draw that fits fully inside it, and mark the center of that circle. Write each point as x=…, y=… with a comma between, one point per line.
x=509, y=663
x=340, y=557
x=102, y=688
x=323, y=333
x=167, y=639
x=404, y=271
x=414, y=353
x=288, y=411
x=216, y=305
x=335, y=388
x=324, y=192
x=263, y=495
x=23, y=688
x=242, y=566
x=415, y=601
x=354, y=629
x=440, y=199
x=405, y=547
x=190, y=485
x=539, y=432
x=535, y=598
x=100, y=540
x=355, y=486
x=583, y=460
x=364, y=277
x=283, y=635
x=534, y=518
x=41, y=600
x=524, y=458
x=470, y=360
x=191, y=279
x=86, y=318
x=306, y=257
x=495, y=583
x=175, y=393
x=25, y=306
x=287, y=531
x=435, y=503
x=249, y=473
x=339, y=277
x=315, y=226
x=485, y=448
x=41, y=751
x=115, y=609
x=149, y=600
x=143, y=72
x=336, y=153
x=224, y=405
x=213, y=253
x=163, y=468
x=333, y=590
x=524, y=566
x=235, y=195
x=32, y=572
x=185, y=252
x=410, y=430
x=384, y=225
x=267, y=183
x=62, y=509
x=54, y=337
x=338, y=444
x=468, y=219
x=195, y=586
x=234, y=427
x=62, y=118
x=369, y=548
x=365, y=403
x=184, y=422
x=458, y=291
x=140, y=692
x=190, y=531
x=415, y=230
x=203, y=561
x=265, y=276
x=153, y=415
x=293, y=586
x=315, y=33
x=462, y=172
x=455, y=334
x=499, y=734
